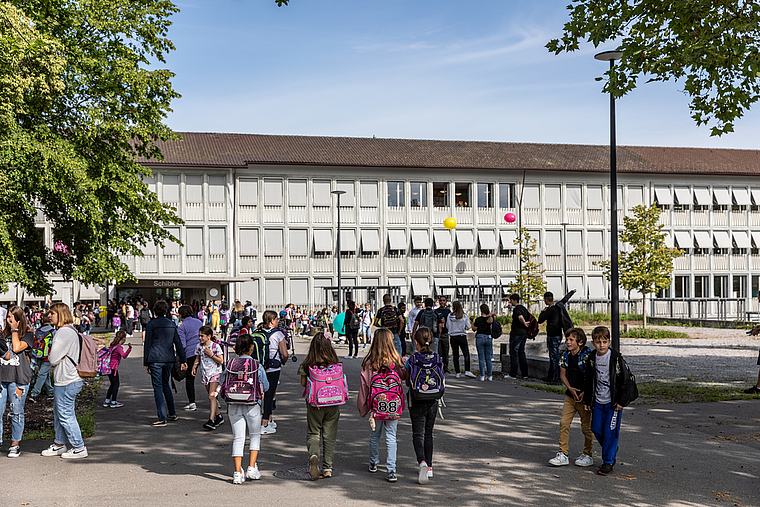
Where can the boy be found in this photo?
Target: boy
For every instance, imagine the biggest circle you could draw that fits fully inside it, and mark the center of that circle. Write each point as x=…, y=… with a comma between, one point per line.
x=606, y=393
x=575, y=366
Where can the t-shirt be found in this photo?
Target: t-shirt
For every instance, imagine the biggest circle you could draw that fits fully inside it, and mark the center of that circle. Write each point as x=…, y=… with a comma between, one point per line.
x=209, y=368
x=436, y=318
x=518, y=328
x=482, y=326
x=274, y=348
x=413, y=318
x=367, y=317
x=17, y=368
x=575, y=376
x=443, y=314
x=602, y=388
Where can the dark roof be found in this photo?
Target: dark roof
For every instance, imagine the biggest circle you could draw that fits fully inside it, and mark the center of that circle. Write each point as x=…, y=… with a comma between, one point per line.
x=240, y=150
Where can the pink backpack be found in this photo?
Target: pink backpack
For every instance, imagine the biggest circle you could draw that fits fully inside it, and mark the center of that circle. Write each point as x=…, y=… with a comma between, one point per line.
x=241, y=383
x=326, y=386
x=386, y=396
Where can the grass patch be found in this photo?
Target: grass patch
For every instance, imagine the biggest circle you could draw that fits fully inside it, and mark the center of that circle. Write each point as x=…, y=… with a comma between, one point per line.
x=85, y=414
x=548, y=388
x=652, y=334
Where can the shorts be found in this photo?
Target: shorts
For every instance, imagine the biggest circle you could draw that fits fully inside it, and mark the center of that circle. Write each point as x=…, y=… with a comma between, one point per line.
x=215, y=378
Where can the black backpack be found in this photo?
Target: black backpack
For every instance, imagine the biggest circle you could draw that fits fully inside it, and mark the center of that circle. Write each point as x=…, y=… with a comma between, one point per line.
x=354, y=321
x=496, y=330
x=429, y=319
x=144, y=315
x=630, y=391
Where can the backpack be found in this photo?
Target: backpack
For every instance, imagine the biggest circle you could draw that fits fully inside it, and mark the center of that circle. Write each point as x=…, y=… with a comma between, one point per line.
x=386, y=396
x=326, y=386
x=388, y=317
x=223, y=319
x=261, y=348
x=532, y=325
x=354, y=322
x=144, y=314
x=104, y=361
x=630, y=389
x=429, y=319
x=426, y=376
x=87, y=365
x=585, y=351
x=42, y=340
x=241, y=384
x=177, y=373
x=496, y=330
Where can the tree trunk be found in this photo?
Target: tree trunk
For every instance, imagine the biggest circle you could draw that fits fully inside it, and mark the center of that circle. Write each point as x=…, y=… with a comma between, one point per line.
x=644, y=310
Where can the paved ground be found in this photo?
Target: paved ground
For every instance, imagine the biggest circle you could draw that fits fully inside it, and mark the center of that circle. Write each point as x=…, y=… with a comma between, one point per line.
x=492, y=449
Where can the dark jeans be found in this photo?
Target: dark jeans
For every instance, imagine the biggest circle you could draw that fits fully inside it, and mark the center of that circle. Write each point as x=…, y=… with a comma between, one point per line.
x=517, y=354
x=128, y=323
x=273, y=378
x=190, y=380
x=443, y=350
x=159, y=375
x=353, y=342
x=224, y=332
x=422, y=413
x=460, y=343
x=552, y=343
x=402, y=337
x=113, y=389
x=109, y=320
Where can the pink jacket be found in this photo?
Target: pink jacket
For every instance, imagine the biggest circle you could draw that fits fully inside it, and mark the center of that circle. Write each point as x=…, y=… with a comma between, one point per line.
x=117, y=354
x=362, y=401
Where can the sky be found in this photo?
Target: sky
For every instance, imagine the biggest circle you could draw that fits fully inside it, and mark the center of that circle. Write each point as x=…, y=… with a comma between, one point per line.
x=419, y=69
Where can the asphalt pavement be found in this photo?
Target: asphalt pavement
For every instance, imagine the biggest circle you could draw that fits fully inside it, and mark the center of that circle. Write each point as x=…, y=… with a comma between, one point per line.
x=492, y=448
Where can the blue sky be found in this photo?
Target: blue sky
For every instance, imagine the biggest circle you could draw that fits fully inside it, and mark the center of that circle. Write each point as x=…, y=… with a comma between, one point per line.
x=421, y=69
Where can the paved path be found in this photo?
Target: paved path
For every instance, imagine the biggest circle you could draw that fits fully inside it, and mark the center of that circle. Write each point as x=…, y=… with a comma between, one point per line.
x=492, y=449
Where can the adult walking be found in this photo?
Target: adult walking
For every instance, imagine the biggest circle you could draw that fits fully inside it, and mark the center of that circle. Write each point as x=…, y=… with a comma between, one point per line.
x=15, y=374
x=390, y=318
x=144, y=317
x=64, y=355
x=443, y=312
x=517, y=337
x=557, y=322
x=188, y=335
x=278, y=354
x=484, y=342
x=352, y=333
x=458, y=323
x=161, y=343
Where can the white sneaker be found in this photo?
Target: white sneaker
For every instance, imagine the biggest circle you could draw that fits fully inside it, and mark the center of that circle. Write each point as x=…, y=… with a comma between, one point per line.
x=430, y=472
x=482, y=378
x=238, y=478
x=273, y=424
x=489, y=378
x=510, y=377
x=459, y=375
x=14, y=451
x=54, y=450
x=268, y=430
x=253, y=473
x=559, y=460
x=469, y=374
x=584, y=460
x=423, y=475
x=75, y=453
x=190, y=407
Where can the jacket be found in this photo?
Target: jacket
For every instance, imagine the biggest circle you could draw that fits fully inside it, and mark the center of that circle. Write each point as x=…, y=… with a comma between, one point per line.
x=188, y=334
x=161, y=342
x=362, y=401
x=618, y=380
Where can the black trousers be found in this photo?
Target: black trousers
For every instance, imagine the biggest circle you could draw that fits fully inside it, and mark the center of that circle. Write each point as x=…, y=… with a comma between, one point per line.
x=422, y=413
x=443, y=350
x=190, y=380
x=460, y=343
x=353, y=342
x=113, y=389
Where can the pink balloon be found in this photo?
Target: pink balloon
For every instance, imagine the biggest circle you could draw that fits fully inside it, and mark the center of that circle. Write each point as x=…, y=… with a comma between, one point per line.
x=510, y=217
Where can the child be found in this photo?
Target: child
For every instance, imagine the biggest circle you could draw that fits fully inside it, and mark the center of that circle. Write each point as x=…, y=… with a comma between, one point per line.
x=606, y=393
x=382, y=365
x=246, y=414
x=574, y=367
x=320, y=421
x=424, y=396
x=209, y=355
x=116, y=321
x=117, y=354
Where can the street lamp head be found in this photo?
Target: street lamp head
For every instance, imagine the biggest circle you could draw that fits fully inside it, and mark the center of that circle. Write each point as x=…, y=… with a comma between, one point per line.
x=607, y=56
x=338, y=192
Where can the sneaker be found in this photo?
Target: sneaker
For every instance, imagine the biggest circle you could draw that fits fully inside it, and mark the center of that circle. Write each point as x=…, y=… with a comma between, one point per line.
x=116, y=404
x=209, y=425
x=14, y=451
x=190, y=407
x=423, y=475
x=430, y=472
x=605, y=469
x=32, y=399
x=753, y=390
x=238, y=478
x=489, y=378
x=314, y=467
x=469, y=374
x=219, y=420
x=159, y=423
x=510, y=377
x=173, y=417
x=107, y=403
x=54, y=450
x=253, y=473
x=559, y=460
x=273, y=424
x=459, y=375
x=391, y=477
x=584, y=460
x=372, y=468
x=75, y=453
x=482, y=378
x=268, y=430
x=326, y=474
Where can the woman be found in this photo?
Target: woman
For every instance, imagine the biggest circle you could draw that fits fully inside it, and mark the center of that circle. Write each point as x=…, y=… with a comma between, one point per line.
x=237, y=314
x=214, y=310
x=68, y=383
x=351, y=334
x=188, y=335
x=331, y=319
x=458, y=323
x=484, y=342
x=278, y=352
x=15, y=374
x=224, y=318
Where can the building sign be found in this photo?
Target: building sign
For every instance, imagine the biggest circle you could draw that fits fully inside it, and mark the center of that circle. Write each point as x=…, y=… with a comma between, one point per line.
x=165, y=283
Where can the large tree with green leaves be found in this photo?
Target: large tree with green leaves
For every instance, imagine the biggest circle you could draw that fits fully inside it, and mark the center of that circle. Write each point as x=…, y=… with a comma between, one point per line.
x=712, y=46
x=80, y=100
x=530, y=282
x=648, y=264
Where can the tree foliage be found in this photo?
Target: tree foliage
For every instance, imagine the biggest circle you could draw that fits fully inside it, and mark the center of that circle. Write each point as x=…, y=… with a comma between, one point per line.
x=78, y=105
x=712, y=45
x=530, y=282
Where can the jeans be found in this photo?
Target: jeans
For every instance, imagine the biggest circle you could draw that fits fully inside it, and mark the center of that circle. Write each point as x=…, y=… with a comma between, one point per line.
x=273, y=377
x=460, y=343
x=422, y=413
x=484, y=344
x=353, y=342
x=241, y=416
x=390, y=444
x=159, y=375
x=552, y=343
x=8, y=392
x=113, y=389
x=443, y=349
x=64, y=415
x=128, y=326
x=517, y=353
x=43, y=380
x=601, y=422
x=397, y=344
x=322, y=422
x=366, y=332
x=190, y=380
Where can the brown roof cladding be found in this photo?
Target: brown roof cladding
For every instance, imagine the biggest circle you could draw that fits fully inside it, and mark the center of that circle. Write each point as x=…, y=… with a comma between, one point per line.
x=239, y=150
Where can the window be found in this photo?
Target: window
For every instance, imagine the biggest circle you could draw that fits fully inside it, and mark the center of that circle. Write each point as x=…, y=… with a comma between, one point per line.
x=170, y=247
x=663, y=293
x=441, y=195
x=368, y=194
x=594, y=197
x=370, y=242
x=298, y=242
x=485, y=195
x=194, y=242
x=273, y=242
x=531, y=197
x=681, y=286
x=552, y=197
x=486, y=243
x=395, y=194
x=755, y=285
x=217, y=238
x=397, y=241
x=506, y=195
x=249, y=191
x=216, y=188
x=272, y=192
x=720, y=286
x=274, y=292
x=442, y=241
x=465, y=242
x=508, y=247
x=321, y=193
x=573, y=193
x=462, y=195
x=418, y=194
x=663, y=197
x=297, y=192
x=347, y=199
x=701, y=286
x=420, y=242
x=249, y=242
x=635, y=197
x=683, y=198
x=171, y=187
x=721, y=199
x=739, y=286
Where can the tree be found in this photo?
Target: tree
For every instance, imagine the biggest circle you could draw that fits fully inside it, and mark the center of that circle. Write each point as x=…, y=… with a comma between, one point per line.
x=713, y=45
x=648, y=265
x=530, y=282
x=78, y=106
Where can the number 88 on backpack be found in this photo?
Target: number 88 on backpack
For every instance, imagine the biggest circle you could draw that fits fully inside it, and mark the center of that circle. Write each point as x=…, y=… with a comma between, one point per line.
x=386, y=395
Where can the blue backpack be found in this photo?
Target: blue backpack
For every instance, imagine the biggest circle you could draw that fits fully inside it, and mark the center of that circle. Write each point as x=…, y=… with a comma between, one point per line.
x=426, y=376
x=582, y=355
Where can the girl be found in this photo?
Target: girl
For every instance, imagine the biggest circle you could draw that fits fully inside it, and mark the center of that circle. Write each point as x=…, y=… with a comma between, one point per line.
x=214, y=312
x=237, y=314
x=382, y=353
x=458, y=323
x=246, y=414
x=15, y=374
x=117, y=354
x=224, y=319
x=320, y=421
x=116, y=320
x=305, y=321
x=278, y=351
x=423, y=412
x=484, y=342
x=209, y=355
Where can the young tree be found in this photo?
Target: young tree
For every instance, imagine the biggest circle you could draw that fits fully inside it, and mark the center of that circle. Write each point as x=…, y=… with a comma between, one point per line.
x=712, y=45
x=78, y=106
x=530, y=282
x=648, y=265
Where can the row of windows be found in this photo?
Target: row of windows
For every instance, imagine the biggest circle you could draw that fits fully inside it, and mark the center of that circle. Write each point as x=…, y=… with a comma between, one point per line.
x=682, y=286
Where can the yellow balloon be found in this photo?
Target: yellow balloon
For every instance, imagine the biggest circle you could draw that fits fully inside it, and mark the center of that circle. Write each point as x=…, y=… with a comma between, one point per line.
x=450, y=223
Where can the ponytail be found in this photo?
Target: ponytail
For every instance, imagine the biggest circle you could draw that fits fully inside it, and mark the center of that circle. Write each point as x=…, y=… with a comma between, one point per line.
x=424, y=338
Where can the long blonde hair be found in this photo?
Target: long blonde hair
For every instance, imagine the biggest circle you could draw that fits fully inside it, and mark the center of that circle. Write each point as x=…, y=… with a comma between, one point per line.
x=381, y=352
x=458, y=310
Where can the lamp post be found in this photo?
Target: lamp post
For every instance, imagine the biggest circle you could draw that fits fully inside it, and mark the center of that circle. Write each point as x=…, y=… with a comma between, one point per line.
x=340, y=290
x=611, y=56
x=564, y=255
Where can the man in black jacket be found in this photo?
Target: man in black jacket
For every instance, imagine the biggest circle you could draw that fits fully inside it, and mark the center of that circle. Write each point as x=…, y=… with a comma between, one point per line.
x=557, y=322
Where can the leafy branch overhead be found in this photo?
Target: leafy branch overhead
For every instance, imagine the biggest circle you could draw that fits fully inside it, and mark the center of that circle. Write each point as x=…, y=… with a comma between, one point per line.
x=711, y=46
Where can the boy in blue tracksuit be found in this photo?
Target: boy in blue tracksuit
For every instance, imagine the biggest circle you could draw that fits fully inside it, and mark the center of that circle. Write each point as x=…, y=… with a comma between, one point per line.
x=606, y=394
